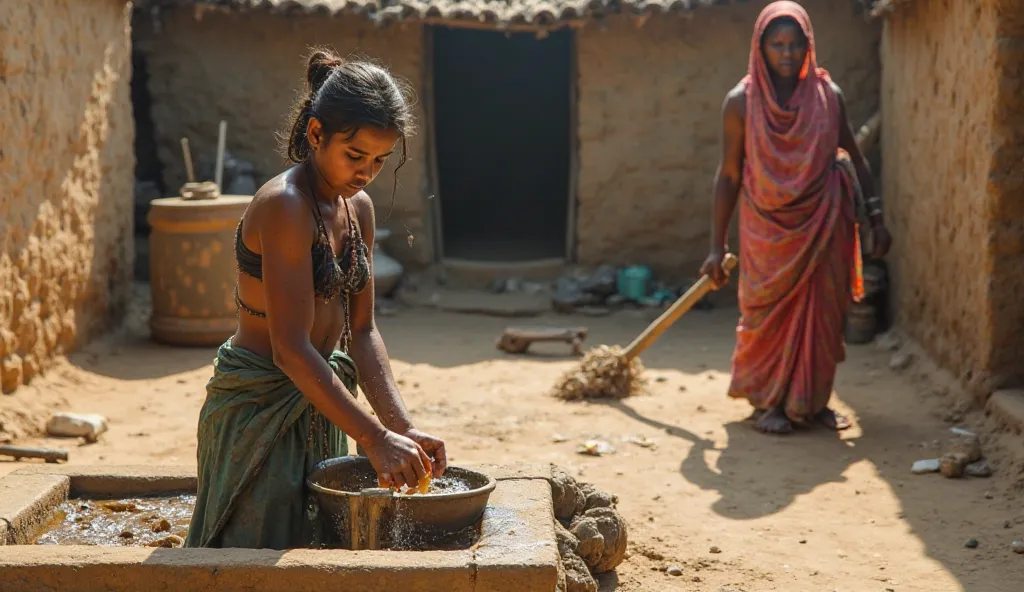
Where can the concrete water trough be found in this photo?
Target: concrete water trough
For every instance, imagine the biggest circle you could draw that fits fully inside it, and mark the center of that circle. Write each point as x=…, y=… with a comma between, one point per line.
x=515, y=549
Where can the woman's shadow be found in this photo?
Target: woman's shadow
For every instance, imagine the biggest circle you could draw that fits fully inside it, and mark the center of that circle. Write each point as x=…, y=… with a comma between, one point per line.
x=757, y=475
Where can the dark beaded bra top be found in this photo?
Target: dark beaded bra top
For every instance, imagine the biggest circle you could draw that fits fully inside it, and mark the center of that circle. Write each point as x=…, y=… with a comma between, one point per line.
x=347, y=274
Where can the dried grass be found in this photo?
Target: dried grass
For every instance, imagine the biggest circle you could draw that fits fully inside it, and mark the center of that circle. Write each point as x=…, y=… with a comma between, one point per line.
x=602, y=374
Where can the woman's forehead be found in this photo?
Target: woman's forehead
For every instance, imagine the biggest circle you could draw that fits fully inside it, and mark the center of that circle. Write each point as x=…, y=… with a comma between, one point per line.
x=784, y=26
x=373, y=140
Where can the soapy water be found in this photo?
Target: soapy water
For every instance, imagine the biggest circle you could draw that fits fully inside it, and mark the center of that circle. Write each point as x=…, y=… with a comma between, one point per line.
x=400, y=532
x=442, y=484
x=135, y=522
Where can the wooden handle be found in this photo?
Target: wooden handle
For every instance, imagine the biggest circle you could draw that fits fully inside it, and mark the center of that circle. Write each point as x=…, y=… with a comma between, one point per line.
x=186, y=152
x=678, y=309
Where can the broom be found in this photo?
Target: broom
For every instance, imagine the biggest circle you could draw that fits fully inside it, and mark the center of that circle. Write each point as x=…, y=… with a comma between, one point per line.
x=616, y=373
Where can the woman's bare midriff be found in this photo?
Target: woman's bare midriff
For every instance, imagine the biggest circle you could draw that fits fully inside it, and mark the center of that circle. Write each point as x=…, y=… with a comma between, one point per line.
x=253, y=333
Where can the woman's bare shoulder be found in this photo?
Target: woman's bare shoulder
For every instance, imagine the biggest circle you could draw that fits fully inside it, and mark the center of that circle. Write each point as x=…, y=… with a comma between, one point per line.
x=735, y=103
x=280, y=204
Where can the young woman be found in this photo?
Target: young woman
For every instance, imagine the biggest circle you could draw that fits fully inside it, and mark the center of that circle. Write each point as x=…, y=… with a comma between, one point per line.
x=790, y=158
x=282, y=396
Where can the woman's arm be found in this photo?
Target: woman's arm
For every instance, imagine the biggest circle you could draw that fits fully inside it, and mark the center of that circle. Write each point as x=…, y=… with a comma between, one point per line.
x=288, y=288
x=881, y=240
x=848, y=142
x=368, y=351
x=728, y=179
x=371, y=357
x=729, y=175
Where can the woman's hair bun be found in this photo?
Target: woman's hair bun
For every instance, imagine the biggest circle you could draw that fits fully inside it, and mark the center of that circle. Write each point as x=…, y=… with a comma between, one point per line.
x=321, y=63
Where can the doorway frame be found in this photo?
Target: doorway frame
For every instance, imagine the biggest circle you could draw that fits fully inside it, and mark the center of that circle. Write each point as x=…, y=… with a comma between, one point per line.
x=569, y=255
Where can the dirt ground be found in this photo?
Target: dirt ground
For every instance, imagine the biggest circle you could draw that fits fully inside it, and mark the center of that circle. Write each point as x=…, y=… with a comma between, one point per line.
x=812, y=512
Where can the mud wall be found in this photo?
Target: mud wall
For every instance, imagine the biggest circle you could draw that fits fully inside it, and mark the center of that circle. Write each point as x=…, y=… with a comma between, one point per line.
x=66, y=166
x=952, y=145
x=650, y=104
x=246, y=69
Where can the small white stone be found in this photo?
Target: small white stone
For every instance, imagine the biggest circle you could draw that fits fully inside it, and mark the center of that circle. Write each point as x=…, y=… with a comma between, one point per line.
x=901, y=361
x=76, y=425
x=921, y=467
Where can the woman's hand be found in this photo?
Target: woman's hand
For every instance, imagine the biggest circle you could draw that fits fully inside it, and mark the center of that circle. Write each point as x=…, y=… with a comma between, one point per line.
x=434, y=447
x=397, y=459
x=712, y=268
x=881, y=241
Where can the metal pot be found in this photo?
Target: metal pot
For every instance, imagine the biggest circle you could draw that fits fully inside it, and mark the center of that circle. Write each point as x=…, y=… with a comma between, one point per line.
x=368, y=517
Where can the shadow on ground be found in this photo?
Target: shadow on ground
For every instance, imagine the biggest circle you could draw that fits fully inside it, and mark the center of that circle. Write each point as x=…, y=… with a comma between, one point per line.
x=893, y=433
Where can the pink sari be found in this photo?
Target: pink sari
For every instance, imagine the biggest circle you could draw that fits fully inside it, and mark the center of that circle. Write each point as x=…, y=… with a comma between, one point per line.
x=799, y=251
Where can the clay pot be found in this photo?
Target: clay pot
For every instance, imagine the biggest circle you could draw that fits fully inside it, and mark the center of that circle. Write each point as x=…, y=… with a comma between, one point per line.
x=861, y=323
x=875, y=280
x=386, y=269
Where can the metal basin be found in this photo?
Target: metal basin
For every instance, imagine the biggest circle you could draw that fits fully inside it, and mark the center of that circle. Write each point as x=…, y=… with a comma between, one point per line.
x=367, y=517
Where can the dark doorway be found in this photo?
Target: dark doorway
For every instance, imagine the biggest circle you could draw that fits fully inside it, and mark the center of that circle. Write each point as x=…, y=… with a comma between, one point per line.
x=502, y=117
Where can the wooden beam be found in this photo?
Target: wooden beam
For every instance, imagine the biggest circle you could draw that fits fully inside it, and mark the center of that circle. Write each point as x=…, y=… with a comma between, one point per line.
x=430, y=117
x=574, y=150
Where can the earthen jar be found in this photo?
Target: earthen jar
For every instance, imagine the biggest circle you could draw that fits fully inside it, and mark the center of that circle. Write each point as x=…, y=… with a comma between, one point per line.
x=386, y=269
x=192, y=268
x=861, y=323
x=874, y=279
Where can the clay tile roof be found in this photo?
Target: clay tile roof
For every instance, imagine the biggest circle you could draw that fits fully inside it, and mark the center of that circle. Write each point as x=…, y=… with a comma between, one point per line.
x=496, y=12
x=881, y=8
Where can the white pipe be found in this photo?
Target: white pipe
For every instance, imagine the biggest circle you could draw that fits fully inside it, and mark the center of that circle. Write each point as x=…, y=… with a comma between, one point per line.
x=221, y=140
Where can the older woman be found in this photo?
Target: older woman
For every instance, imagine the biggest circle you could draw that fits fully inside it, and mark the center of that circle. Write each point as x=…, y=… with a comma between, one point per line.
x=790, y=158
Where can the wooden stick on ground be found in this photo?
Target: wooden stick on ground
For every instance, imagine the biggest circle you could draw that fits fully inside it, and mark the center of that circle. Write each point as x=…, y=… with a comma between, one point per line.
x=19, y=452
x=516, y=340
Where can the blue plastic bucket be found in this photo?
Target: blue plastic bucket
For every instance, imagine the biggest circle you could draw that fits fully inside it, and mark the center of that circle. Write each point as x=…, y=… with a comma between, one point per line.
x=633, y=281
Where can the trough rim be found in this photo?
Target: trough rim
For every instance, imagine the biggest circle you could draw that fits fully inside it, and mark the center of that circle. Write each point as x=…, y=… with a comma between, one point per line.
x=522, y=559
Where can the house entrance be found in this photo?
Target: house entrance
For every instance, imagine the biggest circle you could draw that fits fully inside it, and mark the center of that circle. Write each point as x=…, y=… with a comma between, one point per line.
x=502, y=123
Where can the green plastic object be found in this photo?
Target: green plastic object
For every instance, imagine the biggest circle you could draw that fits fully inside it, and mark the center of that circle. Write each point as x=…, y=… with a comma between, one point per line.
x=633, y=281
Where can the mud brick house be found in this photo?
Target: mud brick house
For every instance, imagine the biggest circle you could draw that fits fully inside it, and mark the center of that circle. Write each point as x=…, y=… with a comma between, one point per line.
x=66, y=168
x=580, y=130
x=953, y=181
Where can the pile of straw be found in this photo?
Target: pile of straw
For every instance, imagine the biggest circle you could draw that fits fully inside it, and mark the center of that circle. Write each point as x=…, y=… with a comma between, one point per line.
x=603, y=374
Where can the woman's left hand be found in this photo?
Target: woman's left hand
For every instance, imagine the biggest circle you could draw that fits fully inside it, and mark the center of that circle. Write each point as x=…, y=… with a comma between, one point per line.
x=880, y=241
x=434, y=447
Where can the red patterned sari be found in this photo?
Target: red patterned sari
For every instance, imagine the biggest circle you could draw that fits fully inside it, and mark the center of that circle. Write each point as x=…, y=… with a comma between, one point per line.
x=799, y=251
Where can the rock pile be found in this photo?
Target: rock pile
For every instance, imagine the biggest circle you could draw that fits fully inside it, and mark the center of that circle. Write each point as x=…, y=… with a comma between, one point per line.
x=591, y=533
x=963, y=457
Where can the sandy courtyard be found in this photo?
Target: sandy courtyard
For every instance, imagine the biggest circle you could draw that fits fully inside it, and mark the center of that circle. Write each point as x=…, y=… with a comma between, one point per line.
x=811, y=512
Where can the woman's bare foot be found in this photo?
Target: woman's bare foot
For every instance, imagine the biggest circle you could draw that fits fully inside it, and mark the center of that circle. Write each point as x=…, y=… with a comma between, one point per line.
x=774, y=421
x=832, y=420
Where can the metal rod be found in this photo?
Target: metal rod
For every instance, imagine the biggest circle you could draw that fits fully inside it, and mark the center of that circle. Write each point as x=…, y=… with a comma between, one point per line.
x=48, y=454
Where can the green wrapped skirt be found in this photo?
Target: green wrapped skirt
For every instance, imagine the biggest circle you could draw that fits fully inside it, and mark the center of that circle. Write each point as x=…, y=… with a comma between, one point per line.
x=259, y=438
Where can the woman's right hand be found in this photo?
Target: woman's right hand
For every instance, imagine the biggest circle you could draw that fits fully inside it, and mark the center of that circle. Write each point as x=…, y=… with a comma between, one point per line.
x=712, y=268
x=398, y=460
